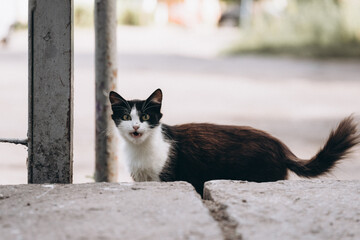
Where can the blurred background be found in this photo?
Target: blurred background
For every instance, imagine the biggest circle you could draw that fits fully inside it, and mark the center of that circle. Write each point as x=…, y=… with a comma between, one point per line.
x=289, y=67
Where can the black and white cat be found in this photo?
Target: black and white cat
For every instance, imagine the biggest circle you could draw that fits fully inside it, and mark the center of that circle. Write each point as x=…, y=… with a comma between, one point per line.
x=197, y=153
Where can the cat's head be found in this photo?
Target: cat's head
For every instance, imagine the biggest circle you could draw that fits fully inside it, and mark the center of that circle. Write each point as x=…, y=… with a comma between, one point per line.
x=136, y=120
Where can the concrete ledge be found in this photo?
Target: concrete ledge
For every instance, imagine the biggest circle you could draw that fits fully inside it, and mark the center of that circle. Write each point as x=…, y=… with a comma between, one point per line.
x=105, y=211
x=320, y=209
x=316, y=209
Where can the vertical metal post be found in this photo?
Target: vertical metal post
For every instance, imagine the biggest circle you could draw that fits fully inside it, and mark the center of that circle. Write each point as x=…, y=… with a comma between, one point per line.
x=106, y=167
x=50, y=134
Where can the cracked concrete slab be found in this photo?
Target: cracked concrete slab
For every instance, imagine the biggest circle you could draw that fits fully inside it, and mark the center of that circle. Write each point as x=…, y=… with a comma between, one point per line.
x=148, y=210
x=302, y=209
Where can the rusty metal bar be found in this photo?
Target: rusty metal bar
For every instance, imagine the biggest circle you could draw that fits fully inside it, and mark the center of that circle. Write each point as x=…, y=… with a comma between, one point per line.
x=14, y=141
x=106, y=166
x=50, y=130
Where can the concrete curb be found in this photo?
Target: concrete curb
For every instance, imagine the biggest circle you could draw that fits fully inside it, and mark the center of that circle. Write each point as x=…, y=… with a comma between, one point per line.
x=316, y=209
x=147, y=210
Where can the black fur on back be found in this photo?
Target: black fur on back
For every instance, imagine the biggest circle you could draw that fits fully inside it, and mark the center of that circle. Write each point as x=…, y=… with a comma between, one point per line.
x=203, y=152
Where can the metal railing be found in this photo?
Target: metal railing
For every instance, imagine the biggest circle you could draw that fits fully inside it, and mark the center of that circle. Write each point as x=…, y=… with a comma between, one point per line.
x=51, y=81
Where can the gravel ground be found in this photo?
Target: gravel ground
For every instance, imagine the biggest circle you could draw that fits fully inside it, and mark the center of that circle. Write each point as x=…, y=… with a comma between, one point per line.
x=297, y=100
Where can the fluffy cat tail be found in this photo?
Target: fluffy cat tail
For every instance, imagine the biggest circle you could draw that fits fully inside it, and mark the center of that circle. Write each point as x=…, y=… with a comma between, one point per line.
x=336, y=148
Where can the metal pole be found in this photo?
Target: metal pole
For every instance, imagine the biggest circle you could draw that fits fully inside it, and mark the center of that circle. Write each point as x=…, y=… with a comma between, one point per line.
x=14, y=141
x=50, y=130
x=106, y=167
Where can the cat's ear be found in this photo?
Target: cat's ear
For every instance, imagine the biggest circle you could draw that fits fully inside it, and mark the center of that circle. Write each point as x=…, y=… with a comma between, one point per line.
x=155, y=97
x=116, y=98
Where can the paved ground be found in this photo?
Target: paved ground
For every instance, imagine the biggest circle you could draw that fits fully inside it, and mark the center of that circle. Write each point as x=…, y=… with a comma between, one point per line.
x=105, y=211
x=291, y=210
x=322, y=209
x=296, y=100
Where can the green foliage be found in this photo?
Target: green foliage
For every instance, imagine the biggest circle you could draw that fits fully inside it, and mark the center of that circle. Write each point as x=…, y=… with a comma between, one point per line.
x=131, y=12
x=129, y=17
x=128, y=12
x=308, y=28
x=20, y=26
x=83, y=16
x=230, y=1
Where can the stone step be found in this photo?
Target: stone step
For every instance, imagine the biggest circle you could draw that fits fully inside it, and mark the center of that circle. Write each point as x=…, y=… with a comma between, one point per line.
x=133, y=211
x=302, y=209
x=316, y=209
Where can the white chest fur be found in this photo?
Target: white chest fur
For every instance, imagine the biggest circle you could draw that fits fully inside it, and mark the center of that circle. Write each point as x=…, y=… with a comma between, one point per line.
x=146, y=160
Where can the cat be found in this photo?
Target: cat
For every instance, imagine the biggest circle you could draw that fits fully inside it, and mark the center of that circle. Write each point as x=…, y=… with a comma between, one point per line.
x=199, y=152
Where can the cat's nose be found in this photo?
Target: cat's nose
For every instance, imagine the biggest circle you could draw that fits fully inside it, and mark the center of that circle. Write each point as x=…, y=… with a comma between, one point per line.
x=136, y=127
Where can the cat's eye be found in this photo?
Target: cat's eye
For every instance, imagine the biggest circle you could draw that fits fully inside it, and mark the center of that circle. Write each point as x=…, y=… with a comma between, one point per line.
x=126, y=117
x=145, y=117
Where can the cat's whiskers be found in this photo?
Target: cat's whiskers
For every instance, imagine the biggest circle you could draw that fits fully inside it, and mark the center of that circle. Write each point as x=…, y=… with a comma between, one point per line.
x=102, y=133
x=109, y=132
x=168, y=136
